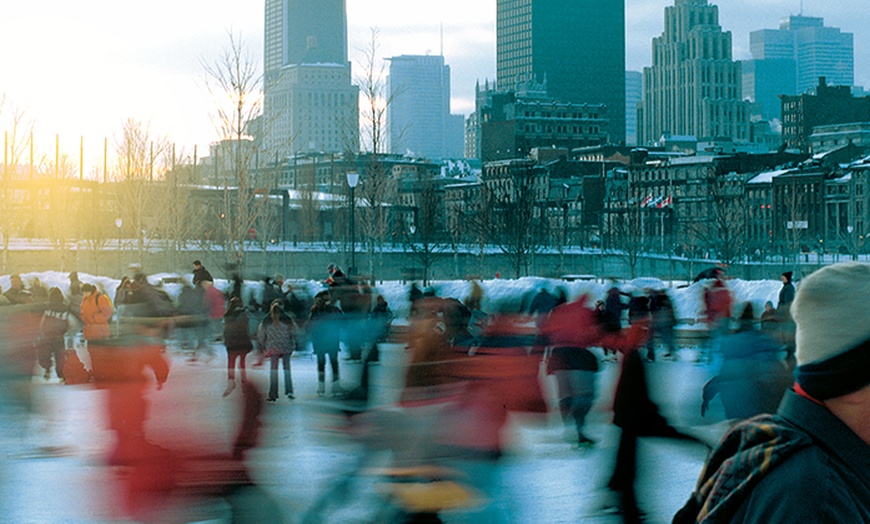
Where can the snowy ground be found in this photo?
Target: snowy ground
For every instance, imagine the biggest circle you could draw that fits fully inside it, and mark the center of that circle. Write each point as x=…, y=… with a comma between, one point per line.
x=52, y=468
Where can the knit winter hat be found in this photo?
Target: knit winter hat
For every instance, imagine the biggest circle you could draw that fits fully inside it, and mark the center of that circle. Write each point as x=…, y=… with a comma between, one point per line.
x=833, y=330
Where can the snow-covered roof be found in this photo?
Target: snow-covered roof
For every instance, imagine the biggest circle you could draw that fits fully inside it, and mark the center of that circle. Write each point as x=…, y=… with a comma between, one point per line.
x=688, y=160
x=767, y=177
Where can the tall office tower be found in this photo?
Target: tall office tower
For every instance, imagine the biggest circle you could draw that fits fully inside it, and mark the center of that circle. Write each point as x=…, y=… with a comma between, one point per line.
x=310, y=103
x=763, y=82
x=576, y=47
x=419, y=110
x=790, y=60
x=304, y=32
x=633, y=96
x=693, y=86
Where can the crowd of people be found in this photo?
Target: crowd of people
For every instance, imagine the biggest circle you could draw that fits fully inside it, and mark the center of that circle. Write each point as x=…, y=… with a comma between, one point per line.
x=467, y=369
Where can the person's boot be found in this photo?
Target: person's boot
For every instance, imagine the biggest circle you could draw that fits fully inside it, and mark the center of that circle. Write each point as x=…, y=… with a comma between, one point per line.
x=231, y=385
x=321, y=384
x=337, y=390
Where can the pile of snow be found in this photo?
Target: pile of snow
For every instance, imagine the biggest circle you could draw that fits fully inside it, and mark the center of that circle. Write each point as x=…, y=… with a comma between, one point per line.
x=499, y=295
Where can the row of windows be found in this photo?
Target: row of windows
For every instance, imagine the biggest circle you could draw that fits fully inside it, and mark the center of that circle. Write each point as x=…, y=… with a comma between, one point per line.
x=558, y=114
x=561, y=129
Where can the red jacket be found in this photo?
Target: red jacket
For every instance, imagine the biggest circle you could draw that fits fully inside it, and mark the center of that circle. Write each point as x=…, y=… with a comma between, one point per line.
x=717, y=300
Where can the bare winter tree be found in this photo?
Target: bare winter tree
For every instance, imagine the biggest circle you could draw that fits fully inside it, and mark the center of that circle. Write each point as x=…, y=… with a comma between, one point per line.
x=59, y=210
x=376, y=186
x=477, y=220
x=235, y=82
x=795, y=205
x=309, y=204
x=626, y=234
x=518, y=228
x=17, y=138
x=141, y=157
x=177, y=223
x=723, y=228
x=426, y=241
x=96, y=224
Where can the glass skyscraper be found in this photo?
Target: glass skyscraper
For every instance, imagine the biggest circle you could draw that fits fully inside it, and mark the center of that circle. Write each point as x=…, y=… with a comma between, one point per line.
x=419, y=110
x=575, y=47
x=790, y=60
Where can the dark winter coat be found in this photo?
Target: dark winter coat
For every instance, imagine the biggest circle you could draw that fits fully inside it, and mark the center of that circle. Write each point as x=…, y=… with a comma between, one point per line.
x=611, y=319
x=638, y=308
x=324, y=329
x=191, y=307
x=380, y=319
x=543, y=303
x=786, y=297
x=200, y=275
x=801, y=465
x=236, y=335
x=662, y=311
x=271, y=292
x=148, y=301
x=294, y=307
x=55, y=321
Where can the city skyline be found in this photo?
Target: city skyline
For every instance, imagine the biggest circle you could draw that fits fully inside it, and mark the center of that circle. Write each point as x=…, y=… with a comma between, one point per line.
x=82, y=68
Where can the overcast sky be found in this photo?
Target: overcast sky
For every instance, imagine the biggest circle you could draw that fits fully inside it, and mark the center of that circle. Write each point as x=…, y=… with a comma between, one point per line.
x=81, y=67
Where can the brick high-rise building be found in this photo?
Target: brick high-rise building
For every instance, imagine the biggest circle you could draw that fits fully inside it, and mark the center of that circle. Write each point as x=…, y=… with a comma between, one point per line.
x=826, y=106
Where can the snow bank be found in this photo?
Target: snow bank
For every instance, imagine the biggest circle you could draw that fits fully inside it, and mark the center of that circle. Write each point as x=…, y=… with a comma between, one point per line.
x=499, y=294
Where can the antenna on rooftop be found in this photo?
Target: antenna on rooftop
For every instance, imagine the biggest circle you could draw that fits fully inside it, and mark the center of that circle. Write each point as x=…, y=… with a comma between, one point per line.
x=802, y=8
x=442, y=36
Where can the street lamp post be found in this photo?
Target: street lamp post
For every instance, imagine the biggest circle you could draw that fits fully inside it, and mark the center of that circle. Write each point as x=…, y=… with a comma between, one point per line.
x=565, y=189
x=352, y=181
x=118, y=224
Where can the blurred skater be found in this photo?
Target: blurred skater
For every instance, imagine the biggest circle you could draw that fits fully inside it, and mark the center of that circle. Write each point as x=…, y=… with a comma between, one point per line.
x=237, y=340
x=277, y=337
x=663, y=321
x=568, y=331
x=324, y=329
x=717, y=309
x=752, y=378
x=783, y=313
x=810, y=462
x=52, y=329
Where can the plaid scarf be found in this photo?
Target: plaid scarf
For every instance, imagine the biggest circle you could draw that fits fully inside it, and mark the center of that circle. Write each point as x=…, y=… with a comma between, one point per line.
x=744, y=456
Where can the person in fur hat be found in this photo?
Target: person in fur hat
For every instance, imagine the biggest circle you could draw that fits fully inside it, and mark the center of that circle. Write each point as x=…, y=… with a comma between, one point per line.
x=811, y=461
